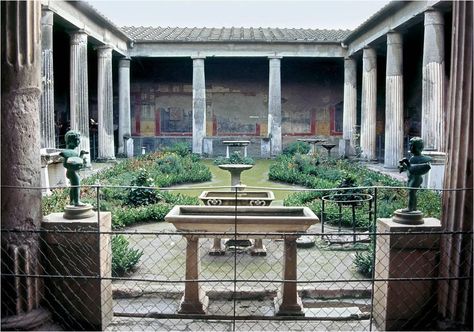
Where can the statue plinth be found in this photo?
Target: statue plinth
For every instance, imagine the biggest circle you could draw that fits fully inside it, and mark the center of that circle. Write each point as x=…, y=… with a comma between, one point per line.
x=78, y=212
x=401, y=216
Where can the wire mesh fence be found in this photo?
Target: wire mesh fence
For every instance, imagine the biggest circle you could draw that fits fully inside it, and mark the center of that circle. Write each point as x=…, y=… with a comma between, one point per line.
x=134, y=276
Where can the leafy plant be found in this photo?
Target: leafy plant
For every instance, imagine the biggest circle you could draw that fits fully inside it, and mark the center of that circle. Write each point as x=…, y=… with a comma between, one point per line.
x=124, y=258
x=296, y=147
x=234, y=158
x=142, y=196
x=363, y=262
x=182, y=149
x=170, y=163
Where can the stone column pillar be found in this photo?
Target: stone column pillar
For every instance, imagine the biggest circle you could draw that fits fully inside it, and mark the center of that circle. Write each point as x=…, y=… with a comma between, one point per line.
x=288, y=301
x=48, y=139
x=274, y=106
x=20, y=164
x=350, y=105
x=369, y=104
x=194, y=300
x=125, y=128
x=199, y=104
x=105, y=109
x=394, y=101
x=79, y=92
x=432, y=105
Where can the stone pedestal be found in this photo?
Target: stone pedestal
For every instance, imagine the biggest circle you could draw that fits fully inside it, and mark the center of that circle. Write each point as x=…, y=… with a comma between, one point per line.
x=194, y=300
x=81, y=300
x=53, y=172
x=400, y=305
x=288, y=302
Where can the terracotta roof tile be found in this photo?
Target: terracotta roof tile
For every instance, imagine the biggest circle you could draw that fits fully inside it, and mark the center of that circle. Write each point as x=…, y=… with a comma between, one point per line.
x=262, y=35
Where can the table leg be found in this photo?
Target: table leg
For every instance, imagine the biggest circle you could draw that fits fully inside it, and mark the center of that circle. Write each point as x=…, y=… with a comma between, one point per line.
x=216, y=249
x=227, y=152
x=258, y=249
x=194, y=300
x=289, y=302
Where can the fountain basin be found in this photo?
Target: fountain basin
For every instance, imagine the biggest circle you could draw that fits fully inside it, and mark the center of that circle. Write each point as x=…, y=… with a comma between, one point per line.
x=244, y=198
x=249, y=219
x=235, y=171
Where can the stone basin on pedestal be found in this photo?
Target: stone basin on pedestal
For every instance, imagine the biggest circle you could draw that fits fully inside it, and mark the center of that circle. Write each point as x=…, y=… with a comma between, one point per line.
x=235, y=171
x=239, y=198
x=312, y=142
x=259, y=221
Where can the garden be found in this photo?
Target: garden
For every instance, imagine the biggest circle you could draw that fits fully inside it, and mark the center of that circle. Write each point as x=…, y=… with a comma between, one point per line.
x=129, y=192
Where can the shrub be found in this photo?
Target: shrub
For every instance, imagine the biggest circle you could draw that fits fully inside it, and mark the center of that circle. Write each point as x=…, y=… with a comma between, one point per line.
x=142, y=196
x=182, y=149
x=363, y=262
x=124, y=259
x=234, y=158
x=296, y=147
x=170, y=163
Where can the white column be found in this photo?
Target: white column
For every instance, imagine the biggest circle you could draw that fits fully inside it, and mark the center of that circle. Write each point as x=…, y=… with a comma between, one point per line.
x=349, y=119
x=432, y=106
x=394, y=101
x=368, y=104
x=48, y=139
x=199, y=105
x=274, y=105
x=124, y=104
x=79, y=92
x=105, y=104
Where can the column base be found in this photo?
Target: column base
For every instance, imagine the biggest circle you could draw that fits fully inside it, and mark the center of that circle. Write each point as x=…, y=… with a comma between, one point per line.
x=26, y=321
x=258, y=248
x=283, y=309
x=217, y=249
x=194, y=308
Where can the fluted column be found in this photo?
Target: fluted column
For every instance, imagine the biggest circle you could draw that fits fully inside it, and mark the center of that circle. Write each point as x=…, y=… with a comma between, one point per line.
x=199, y=105
x=432, y=106
x=368, y=104
x=105, y=104
x=20, y=164
x=48, y=139
x=394, y=101
x=79, y=91
x=350, y=98
x=124, y=104
x=274, y=105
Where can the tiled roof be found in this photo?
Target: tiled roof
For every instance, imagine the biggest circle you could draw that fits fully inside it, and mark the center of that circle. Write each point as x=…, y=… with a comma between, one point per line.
x=261, y=35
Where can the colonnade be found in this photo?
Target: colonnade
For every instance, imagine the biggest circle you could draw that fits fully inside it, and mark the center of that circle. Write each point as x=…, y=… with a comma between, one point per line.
x=432, y=128
x=79, y=92
x=432, y=95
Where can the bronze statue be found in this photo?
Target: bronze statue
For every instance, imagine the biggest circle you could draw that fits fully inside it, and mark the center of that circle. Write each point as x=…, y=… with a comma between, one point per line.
x=417, y=166
x=73, y=162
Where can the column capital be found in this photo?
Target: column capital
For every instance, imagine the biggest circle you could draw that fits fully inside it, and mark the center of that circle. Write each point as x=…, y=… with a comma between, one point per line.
x=394, y=37
x=47, y=17
x=433, y=17
x=78, y=37
x=124, y=62
x=198, y=57
x=104, y=51
x=275, y=57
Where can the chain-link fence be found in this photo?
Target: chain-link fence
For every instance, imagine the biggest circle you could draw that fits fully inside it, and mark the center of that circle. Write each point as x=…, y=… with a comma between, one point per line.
x=376, y=275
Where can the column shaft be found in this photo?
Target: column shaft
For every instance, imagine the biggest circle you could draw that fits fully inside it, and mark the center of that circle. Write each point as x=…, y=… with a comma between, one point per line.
x=432, y=106
x=199, y=105
x=124, y=104
x=20, y=164
x=274, y=105
x=350, y=98
x=369, y=104
x=105, y=105
x=79, y=92
x=394, y=101
x=48, y=139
